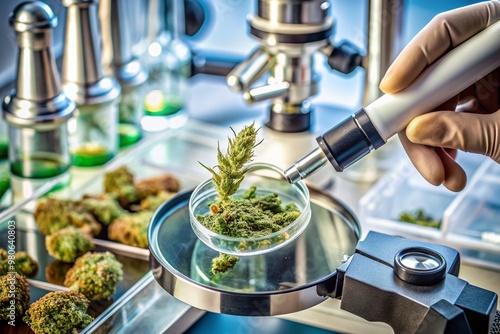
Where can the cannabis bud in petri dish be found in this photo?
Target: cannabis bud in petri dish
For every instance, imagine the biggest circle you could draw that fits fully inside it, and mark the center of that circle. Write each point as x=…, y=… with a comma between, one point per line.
x=243, y=211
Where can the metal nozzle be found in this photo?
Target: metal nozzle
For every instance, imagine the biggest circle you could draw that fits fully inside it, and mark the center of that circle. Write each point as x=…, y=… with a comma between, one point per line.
x=306, y=166
x=247, y=72
x=37, y=98
x=33, y=17
x=266, y=92
x=83, y=80
x=118, y=60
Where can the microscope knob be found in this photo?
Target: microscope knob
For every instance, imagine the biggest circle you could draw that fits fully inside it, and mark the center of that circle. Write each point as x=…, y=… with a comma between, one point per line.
x=419, y=266
x=345, y=57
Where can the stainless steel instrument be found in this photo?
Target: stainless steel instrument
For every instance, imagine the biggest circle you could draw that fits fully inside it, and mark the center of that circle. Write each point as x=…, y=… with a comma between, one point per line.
x=36, y=111
x=289, y=34
x=119, y=62
x=82, y=75
x=383, y=43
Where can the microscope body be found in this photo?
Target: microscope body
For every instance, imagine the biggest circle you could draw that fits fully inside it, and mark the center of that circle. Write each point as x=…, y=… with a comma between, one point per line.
x=289, y=34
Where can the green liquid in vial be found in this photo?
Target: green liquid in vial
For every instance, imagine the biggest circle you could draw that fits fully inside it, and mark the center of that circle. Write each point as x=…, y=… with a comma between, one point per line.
x=4, y=185
x=91, y=155
x=38, y=168
x=4, y=149
x=128, y=134
x=158, y=105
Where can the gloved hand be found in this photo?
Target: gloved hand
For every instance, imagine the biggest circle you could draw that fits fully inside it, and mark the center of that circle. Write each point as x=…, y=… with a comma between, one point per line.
x=431, y=140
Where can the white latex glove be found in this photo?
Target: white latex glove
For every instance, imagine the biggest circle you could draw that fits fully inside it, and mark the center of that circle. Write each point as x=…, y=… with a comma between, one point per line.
x=431, y=140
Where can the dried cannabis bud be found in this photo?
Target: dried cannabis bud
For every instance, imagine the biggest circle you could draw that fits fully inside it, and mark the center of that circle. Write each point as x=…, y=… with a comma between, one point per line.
x=121, y=184
x=59, y=312
x=250, y=216
x=154, y=185
x=103, y=207
x=53, y=214
x=153, y=202
x=223, y=263
x=231, y=170
x=17, y=301
x=95, y=275
x=419, y=217
x=68, y=244
x=131, y=229
x=23, y=263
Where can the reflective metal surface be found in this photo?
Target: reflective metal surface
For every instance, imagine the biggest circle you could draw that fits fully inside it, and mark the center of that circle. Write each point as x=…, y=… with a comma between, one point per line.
x=287, y=280
x=420, y=261
x=82, y=75
x=37, y=98
x=305, y=12
x=385, y=20
x=117, y=57
x=145, y=308
x=289, y=32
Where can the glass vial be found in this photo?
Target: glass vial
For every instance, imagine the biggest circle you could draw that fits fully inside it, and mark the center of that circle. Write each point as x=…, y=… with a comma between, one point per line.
x=91, y=139
x=167, y=60
x=131, y=110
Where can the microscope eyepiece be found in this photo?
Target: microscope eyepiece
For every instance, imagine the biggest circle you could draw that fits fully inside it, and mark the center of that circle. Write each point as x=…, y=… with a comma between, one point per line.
x=342, y=145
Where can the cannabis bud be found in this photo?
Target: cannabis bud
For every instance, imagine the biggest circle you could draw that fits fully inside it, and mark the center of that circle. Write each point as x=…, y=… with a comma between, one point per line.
x=230, y=166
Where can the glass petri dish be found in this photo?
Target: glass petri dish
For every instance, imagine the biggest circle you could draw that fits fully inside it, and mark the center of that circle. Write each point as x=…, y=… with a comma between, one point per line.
x=268, y=179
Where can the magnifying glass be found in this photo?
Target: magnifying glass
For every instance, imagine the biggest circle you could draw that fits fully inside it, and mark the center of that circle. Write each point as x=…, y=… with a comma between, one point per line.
x=282, y=281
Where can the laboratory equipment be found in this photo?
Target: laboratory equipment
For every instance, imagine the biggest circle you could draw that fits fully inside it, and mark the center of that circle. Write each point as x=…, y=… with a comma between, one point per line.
x=168, y=61
x=412, y=286
x=290, y=33
x=36, y=111
x=383, y=41
x=93, y=131
x=371, y=126
x=119, y=63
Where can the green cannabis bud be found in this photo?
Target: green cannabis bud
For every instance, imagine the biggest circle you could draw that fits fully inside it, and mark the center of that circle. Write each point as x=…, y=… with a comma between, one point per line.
x=59, y=312
x=420, y=217
x=230, y=165
x=223, y=263
x=246, y=216
x=14, y=296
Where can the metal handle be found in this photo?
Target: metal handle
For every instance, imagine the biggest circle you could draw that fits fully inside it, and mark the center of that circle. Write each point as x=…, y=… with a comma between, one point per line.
x=248, y=71
x=212, y=64
x=266, y=92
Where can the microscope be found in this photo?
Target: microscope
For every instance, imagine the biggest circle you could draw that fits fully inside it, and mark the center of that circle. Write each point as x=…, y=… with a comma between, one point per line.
x=290, y=35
